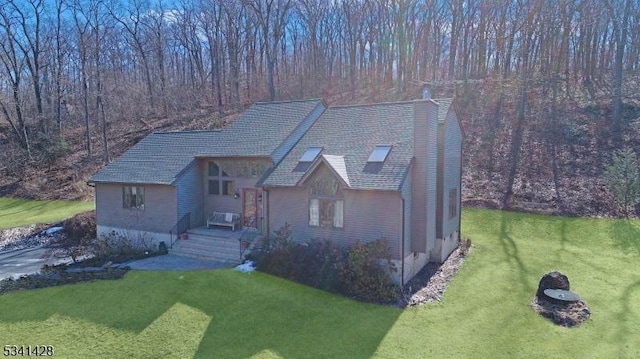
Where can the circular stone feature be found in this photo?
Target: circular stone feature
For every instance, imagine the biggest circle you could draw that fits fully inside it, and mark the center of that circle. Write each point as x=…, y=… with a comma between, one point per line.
x=562, y=295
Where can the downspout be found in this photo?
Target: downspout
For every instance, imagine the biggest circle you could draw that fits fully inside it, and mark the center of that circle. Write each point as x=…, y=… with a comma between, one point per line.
x=402, y=252
x=265, y=211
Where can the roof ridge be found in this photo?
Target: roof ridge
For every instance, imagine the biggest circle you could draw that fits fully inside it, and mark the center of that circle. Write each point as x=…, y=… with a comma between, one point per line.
x=287, y=101
x=185, y=131
x=371, y=104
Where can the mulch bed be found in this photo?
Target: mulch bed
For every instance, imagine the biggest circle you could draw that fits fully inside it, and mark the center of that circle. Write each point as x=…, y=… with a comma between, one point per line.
x=431, y=282
x=567, y=315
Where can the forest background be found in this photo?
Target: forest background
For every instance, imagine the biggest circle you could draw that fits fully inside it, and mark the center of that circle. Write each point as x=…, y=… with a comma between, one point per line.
x=546, y=90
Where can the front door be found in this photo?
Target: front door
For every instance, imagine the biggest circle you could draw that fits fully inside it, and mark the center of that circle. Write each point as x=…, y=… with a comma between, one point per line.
x=250, y=207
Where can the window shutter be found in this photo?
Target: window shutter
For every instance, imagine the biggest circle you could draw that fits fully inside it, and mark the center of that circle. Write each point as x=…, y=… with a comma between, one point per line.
x=314, y=212
x=338, y=214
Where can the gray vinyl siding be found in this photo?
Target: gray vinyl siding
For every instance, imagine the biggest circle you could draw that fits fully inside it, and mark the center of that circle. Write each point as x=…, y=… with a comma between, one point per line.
x=220, y=203
x=368, y=216
x=432, y=190
x=424, y=192
x=189, y=189
x=451, y=172
x=440, y=181
x=406, y=195
x=159, y=213
x=296, y=134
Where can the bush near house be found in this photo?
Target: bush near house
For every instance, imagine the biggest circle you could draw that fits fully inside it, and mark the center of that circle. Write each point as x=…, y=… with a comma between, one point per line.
x=79, y=232
x=360, y=272
x=80, y=239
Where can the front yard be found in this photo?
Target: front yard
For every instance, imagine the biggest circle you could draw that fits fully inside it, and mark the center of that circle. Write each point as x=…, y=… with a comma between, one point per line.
x=485, y=312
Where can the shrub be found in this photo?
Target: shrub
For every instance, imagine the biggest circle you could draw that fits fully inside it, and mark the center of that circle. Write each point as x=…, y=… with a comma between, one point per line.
x=121, y=244
x=366, y=274
x=79, y=232
x=274, y=254
x=363, y=272
x=318, y=264
x=465, y=246
x=47, y=149
x=623, y=180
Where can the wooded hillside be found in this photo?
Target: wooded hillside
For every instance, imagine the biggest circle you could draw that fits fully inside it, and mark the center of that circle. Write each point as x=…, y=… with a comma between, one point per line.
x=545, y=90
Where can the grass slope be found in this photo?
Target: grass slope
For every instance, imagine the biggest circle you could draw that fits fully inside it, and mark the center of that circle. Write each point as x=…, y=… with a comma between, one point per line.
x=16, y=212
x=250, y=315
x=485, y=312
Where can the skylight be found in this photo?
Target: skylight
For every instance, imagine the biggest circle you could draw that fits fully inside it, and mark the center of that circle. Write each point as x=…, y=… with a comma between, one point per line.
x=379, y=153
x=311, y=154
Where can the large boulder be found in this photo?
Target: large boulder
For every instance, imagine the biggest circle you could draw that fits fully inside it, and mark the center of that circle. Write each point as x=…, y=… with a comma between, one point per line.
x=552, y=280
x=565, y=313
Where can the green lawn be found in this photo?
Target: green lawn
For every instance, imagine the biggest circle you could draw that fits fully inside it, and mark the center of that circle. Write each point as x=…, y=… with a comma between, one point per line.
x=16, y=212
x=485, y=312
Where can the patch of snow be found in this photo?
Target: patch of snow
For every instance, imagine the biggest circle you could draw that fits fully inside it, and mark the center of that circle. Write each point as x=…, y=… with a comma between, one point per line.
x=246, y=267
x=52, y=230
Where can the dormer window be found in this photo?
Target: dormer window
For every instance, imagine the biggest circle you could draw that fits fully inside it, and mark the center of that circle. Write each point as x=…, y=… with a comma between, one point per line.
x=379, y=153
x=307, y=158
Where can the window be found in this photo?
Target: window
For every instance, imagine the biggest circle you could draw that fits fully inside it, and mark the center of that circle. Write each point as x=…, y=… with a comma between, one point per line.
x=453, y=203
x=379, y=153
x=325, y=208
x=219, y=181
x=228, y=188
x=133, y=197
x=214, y=169
x=214, y=187
x=307, y=159
x=311, y=154
x=325, y=212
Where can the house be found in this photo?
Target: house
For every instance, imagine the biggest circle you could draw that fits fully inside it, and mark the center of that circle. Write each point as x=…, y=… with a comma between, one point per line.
x=169, y=176
x=343, y=173
x=371, y=171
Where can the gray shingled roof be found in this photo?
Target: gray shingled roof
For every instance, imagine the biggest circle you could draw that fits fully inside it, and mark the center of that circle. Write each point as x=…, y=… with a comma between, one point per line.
x=444, y=104
x=353, y=132
x=160, y=157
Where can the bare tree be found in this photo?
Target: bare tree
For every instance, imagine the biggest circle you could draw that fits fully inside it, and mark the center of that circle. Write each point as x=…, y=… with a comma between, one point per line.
x=13, y=65
x=28, y=17
x=131, y=19
x=271, y=15
x=620, y=31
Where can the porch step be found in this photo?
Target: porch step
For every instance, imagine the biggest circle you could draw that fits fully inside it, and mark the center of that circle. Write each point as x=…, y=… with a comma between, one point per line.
x=199, y=246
